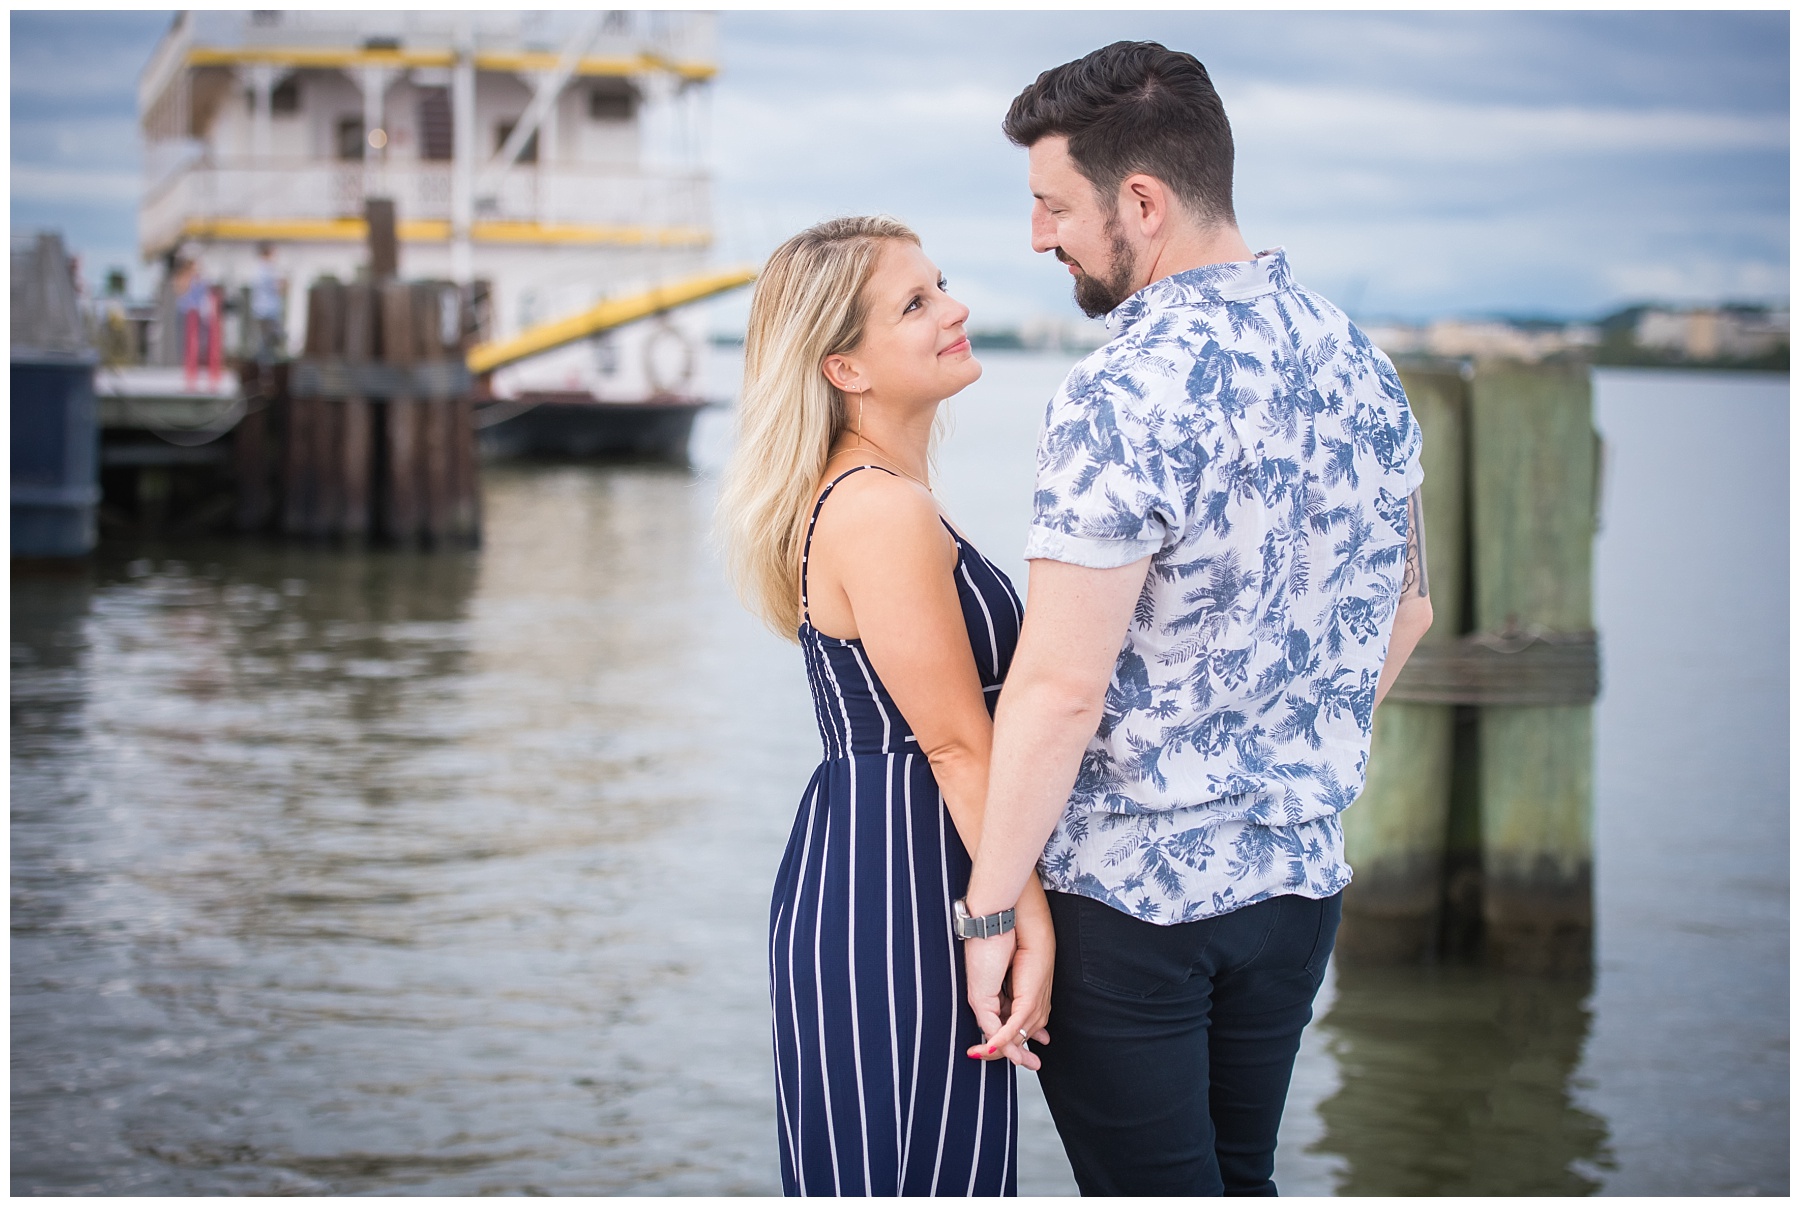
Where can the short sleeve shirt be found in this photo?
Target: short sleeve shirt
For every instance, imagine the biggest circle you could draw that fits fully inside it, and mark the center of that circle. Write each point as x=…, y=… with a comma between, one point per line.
x=1244, y=435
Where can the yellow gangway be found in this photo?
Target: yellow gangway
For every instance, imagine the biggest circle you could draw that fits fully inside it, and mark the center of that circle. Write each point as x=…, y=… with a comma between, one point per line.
x=604, y=316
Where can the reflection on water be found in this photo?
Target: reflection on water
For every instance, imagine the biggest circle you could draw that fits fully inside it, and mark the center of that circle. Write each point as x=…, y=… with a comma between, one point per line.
x=448, y=874
x=1453, y=1081
x=380, y=872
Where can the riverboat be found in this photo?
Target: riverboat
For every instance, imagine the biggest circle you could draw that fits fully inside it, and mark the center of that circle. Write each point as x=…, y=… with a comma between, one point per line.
x=549, y=163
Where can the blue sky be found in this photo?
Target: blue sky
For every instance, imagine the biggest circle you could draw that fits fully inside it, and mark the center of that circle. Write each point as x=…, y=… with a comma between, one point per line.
x=1414, y=164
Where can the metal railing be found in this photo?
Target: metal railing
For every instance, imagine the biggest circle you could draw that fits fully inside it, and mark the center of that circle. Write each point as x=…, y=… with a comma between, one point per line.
x=200, y=197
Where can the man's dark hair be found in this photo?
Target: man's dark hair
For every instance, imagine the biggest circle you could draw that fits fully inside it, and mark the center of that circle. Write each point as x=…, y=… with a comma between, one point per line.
x=1135, y=107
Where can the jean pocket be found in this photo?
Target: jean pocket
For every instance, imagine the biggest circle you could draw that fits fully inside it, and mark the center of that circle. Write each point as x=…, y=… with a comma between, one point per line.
x=1124, y=955
x=1331, y=912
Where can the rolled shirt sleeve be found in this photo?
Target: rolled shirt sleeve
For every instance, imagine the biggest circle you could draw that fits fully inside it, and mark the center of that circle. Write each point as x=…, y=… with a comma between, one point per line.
x=1104, y=497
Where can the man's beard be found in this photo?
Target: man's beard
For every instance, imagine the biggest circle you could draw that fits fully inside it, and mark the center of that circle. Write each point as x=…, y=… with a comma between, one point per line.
x=1100, y=296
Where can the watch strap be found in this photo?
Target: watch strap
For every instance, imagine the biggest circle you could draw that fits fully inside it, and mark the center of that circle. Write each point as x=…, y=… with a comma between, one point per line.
x=967, y=926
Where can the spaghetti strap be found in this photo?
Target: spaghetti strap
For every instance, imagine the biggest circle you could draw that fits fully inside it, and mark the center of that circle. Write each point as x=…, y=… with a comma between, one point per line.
x=806, y=551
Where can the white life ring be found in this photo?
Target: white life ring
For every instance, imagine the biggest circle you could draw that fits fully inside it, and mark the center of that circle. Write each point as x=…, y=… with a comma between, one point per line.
x=665, y=344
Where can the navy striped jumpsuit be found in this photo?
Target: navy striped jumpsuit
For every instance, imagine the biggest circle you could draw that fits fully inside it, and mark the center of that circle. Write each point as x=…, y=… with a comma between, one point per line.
x=875, y=1094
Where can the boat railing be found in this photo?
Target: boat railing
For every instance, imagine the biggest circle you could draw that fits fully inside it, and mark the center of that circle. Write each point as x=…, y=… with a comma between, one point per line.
x=207, y=198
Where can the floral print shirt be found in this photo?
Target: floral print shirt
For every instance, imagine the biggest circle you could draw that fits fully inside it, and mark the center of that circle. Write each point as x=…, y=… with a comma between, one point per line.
x=1244, y=435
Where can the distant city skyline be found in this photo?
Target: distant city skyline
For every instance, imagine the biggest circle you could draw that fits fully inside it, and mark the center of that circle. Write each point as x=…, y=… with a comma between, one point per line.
x=1413, y=164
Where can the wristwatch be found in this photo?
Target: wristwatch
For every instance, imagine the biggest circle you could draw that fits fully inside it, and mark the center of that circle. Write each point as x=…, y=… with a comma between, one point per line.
x=984, y=927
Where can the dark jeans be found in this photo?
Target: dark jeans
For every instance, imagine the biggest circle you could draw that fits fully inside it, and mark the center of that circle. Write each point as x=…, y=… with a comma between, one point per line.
x=1171, y=1046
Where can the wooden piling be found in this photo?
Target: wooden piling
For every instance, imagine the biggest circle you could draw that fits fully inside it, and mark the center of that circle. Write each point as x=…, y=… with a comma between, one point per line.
x=467, y=518
x=401, y=506
x=1394, y=835
x=253, y=447
x=435, y=419
x=465, y=476
x=1532, y=507
x=383, y=240
x=327, y=468
x=358, y=443
x=377, y=437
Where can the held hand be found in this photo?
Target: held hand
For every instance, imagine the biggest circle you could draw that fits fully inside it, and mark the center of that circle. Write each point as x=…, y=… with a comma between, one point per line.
x=1030, y=1005
x=986, y=961
x=1024, y=1000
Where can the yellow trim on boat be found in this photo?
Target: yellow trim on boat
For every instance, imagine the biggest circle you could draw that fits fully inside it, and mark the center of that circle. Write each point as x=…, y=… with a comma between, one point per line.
x=494, y=60
x=317, y=56
x=614, y=312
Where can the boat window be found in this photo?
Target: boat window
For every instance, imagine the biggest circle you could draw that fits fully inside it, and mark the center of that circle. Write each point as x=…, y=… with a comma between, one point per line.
x=436, y=128
x=612, y=100
x=285, y=98
x=350, y=138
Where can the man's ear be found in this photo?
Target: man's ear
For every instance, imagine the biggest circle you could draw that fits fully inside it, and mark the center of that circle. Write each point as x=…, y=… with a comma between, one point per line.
x=1145, y=201
x=843, y=374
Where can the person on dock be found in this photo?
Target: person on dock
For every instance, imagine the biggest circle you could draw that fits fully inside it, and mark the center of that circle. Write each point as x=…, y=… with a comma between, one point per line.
x=268, y=305
x=1227, y=572
x=884, y=1083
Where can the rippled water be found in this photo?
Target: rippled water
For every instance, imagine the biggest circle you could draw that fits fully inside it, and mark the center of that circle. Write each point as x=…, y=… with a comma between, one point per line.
x=399, y=873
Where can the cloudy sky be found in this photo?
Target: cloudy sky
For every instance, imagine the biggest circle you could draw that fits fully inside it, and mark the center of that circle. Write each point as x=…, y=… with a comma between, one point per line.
x=1414, y=164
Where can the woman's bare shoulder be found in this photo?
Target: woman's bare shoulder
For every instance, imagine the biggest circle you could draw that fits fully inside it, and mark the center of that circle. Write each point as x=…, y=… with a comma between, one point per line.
x=880, y=510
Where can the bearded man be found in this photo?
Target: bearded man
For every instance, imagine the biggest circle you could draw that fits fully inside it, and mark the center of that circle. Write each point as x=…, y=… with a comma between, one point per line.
x=1226, y=574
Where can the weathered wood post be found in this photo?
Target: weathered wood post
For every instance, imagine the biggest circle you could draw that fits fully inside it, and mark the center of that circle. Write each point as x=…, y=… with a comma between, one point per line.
x=454, y=334
x=301, y=502
x=435, y=417
x=1394, y=834
x=252, y=448
x=327, y=460
x=401, y=511
x=1533, y=455
x=357, y=449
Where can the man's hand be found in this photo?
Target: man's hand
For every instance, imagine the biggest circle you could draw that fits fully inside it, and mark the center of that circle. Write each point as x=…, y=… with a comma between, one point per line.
x=1021, y=1005
x=987, y=962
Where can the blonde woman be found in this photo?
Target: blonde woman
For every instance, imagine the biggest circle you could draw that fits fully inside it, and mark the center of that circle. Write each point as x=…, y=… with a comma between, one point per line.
x=885, y=1083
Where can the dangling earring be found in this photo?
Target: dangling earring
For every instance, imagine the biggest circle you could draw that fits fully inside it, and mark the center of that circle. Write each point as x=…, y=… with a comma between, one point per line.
x=861, y=396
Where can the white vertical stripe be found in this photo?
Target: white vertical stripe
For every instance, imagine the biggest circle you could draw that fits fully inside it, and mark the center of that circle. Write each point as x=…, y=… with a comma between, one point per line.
x=862, y=1106
x=794, y=1002
x=918, y=1054
x=993, y=645
x=949, y=1069
x=1006, y=1141
x=837, y=1180
x=827, y=731
x=980, y=1115
x=887, y=725
x=781, y=1102
x=843, y=709
x=893, y=1015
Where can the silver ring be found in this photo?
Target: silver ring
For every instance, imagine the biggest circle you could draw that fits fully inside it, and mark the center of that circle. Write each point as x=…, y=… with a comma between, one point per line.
x=1024, y=1040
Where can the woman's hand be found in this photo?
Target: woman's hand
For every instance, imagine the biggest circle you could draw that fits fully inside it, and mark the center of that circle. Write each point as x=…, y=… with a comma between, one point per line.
x=1024, y=1005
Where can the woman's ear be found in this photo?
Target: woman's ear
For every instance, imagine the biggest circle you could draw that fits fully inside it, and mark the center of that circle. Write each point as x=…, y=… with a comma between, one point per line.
x=843, y=374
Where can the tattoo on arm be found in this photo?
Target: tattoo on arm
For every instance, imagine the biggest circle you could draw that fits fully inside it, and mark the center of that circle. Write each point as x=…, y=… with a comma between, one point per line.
x=1417, y=580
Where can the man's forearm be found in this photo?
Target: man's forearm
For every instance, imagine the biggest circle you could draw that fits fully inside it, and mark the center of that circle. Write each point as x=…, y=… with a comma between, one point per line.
x=1049, y=710
x=1410, y=624
x=1040, y=732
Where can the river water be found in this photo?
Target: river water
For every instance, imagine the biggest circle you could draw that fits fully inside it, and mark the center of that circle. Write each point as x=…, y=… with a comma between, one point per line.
x=393, y=873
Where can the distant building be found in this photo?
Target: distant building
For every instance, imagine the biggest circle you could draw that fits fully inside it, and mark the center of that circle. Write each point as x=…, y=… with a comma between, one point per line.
x=1724, y=333
x=1055, y=333
x=1484, y=339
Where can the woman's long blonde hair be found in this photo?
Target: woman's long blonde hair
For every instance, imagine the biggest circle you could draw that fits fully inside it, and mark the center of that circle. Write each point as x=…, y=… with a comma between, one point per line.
x=808, y=305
